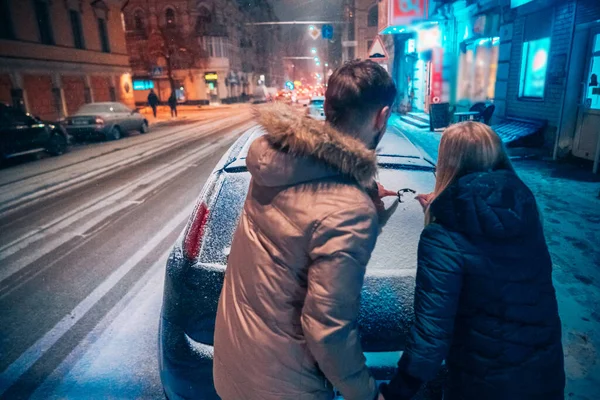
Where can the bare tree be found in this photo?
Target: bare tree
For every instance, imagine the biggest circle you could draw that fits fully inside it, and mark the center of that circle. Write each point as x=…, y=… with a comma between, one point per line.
x=178, y=50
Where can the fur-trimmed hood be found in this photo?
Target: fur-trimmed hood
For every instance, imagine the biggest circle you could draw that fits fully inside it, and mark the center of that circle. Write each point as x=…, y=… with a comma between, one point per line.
x=296, y=148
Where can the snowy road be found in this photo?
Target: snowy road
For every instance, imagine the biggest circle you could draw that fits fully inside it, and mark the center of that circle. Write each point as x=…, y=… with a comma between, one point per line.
x=83, y=243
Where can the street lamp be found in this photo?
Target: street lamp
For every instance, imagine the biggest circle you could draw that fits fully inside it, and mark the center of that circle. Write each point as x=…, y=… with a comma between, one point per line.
x=316, y=59
x=311, y=28
x=313, y=50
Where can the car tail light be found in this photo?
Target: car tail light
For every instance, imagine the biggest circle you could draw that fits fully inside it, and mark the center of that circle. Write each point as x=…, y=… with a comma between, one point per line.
x=99, y=121
x=193, y=236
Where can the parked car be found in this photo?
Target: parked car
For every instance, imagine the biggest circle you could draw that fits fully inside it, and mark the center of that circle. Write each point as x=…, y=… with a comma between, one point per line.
x=196, y=267
x=22, y=133
x=315, y=108
x=109, y=121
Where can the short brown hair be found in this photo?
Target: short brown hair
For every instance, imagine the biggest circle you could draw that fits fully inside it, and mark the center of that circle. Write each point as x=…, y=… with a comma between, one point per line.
x=357, y=88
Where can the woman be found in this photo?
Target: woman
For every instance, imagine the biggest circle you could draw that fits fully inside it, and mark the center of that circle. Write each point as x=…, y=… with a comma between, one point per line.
x=484, y=299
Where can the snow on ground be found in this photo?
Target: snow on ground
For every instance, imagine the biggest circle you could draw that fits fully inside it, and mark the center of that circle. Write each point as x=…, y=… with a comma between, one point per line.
x=568, y=199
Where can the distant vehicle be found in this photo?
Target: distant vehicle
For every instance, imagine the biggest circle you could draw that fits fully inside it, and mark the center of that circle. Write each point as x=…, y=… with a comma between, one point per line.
x=196, y=269
x=303, y=99
x=315, y=108
x=22, y=133
x=260, y=95
x=109, y=120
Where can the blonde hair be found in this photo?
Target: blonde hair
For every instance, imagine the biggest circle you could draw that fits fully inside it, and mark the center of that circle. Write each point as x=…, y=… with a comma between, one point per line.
x=465, y=148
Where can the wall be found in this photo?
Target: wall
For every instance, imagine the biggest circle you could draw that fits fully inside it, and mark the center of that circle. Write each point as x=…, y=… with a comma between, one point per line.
x=57, y=79
x=511, y=48
x=364, y=33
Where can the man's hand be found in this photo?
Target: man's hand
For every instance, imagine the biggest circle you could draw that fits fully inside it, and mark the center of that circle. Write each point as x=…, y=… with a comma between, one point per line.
x=425, y=200
x=383, y=192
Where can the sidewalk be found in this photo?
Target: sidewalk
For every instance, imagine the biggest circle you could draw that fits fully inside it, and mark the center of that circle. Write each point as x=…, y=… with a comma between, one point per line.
x=567, y=197
x=163, y=115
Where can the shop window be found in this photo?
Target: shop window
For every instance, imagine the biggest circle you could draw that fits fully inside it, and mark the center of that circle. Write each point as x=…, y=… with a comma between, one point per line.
x=6, y=26
x=170, y=17
x=103, y=33
x=477, y=72
x=534, y=57
x=534, y=64
x=373, y=17
x=42, y=14
x=77, y=30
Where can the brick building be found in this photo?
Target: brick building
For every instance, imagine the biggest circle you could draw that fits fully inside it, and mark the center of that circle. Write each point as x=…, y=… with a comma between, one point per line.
x=231, y=56
x=57, y=55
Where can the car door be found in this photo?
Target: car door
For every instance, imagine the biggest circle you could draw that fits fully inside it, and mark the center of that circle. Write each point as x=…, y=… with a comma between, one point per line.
x=27, y=132
x=127, y=120
x=7, y=133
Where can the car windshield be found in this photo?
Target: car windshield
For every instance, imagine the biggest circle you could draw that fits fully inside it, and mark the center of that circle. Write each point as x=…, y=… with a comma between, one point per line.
x=97, y=108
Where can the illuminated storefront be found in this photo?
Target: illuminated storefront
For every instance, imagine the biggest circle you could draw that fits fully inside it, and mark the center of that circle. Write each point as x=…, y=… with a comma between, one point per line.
x=478, y=60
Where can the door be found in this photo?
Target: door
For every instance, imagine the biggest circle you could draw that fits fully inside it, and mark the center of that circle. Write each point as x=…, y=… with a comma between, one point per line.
x=587, y=132
x=25, y=132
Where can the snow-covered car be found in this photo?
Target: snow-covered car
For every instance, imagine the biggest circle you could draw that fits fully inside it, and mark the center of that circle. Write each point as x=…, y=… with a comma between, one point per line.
x=196, y=267
x=107, y=120
x=314, y=109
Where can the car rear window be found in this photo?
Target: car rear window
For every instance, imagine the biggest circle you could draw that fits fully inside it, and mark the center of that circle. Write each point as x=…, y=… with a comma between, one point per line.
x=95, y=108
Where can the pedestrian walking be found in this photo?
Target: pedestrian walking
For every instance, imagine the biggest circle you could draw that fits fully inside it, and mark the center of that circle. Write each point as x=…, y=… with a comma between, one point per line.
x=153, y=101
x=286, y=323
x=484, y=298
x=173, y=104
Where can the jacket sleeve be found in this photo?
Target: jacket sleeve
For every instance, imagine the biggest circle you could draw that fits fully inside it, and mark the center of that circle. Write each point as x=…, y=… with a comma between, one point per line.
x=340, y=248
x=437, y=293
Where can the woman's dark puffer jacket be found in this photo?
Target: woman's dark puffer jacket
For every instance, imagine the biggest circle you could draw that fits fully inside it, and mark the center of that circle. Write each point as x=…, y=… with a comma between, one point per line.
x=484, y=300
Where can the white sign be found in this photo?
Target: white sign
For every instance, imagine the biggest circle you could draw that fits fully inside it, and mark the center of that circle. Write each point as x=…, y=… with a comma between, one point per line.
x=349, y=43
x=157, y=71
x=377, y=52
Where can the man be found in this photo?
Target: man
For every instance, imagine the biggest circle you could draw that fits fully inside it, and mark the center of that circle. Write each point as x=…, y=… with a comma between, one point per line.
x=153, y=101
x=287, y=317
x=173, y=104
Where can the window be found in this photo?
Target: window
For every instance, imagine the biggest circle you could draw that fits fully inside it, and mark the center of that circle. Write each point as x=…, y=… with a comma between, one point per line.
x=77, y=29
x=170, y=17
x=534, y=64
x=373, y=17
x=42, y=14
x=478, y=63
x=6, y=26
x=216, y=46
x=138, y=21
x=203, y=20
x=103, y=32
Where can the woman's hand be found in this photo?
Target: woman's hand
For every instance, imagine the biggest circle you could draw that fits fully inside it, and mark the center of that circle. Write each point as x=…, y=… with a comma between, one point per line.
x=425, y=200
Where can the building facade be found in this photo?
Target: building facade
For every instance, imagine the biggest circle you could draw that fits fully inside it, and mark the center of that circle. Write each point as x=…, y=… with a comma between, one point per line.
x=361, y=28
x=58, y=55
x=227, y=56
x=534, y=60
